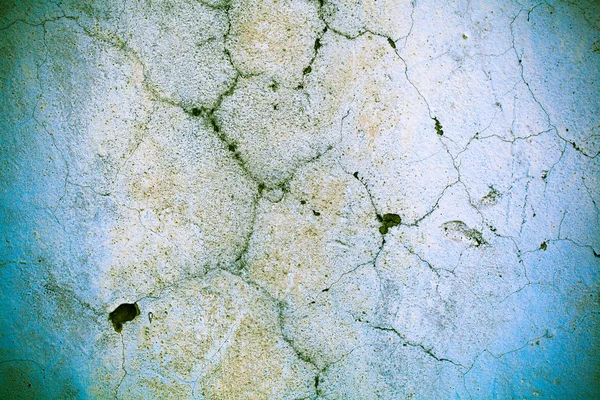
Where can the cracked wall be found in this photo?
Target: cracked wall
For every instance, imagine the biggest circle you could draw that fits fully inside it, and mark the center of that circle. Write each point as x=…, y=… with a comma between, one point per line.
x=299, y=199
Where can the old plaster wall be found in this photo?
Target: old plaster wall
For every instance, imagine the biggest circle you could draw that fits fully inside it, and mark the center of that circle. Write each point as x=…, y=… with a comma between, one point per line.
x=305, y=199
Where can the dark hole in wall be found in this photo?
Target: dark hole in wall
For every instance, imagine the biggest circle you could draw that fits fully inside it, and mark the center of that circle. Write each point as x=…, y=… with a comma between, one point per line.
x=123, y=313
x=388, y=221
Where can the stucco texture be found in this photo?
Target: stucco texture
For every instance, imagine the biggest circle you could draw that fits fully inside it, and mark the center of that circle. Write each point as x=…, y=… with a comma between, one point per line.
x=299, y=199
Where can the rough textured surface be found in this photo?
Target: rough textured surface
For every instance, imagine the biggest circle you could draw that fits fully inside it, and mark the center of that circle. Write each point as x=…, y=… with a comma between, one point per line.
x=303, y=199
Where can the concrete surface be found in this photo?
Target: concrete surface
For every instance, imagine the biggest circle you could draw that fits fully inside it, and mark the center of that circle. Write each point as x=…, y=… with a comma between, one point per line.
x=335, y=199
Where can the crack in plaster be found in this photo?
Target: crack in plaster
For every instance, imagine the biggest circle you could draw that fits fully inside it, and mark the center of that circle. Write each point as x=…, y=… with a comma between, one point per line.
x=239, y=270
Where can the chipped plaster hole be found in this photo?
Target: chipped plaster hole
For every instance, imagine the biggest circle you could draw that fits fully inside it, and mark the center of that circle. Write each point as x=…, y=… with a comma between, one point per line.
x=123, y=313
x=438, y=127
x=388, y=221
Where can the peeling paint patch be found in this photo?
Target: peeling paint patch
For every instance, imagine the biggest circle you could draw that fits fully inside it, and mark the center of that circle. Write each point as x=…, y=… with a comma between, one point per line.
x=459, y=231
